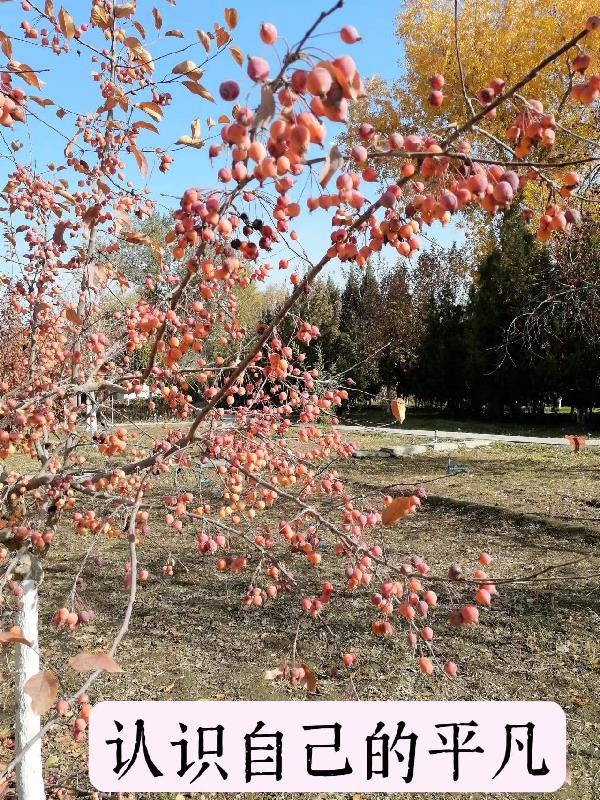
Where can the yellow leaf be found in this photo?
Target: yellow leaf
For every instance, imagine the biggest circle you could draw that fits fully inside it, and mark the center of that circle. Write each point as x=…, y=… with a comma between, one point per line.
x=157, y=18
x=197, y=88
x=204, y=38
x=66, y=24
x=152, y=109
x=237, y=54
x=231, y=18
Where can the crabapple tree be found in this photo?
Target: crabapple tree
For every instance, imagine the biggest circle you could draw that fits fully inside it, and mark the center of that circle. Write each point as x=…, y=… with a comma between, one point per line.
x=267, y=424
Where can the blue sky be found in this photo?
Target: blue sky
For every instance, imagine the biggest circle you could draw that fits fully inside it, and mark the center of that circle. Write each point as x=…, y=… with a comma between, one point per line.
x=68, y=82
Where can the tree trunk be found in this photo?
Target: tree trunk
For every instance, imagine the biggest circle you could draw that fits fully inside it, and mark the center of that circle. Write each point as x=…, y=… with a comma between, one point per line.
x=29, y=774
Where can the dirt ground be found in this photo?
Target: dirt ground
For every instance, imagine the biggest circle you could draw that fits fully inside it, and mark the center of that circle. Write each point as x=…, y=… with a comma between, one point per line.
x=531, y=507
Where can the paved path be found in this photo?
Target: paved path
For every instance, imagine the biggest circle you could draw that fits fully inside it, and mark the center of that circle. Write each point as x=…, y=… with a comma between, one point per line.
x=464, y=435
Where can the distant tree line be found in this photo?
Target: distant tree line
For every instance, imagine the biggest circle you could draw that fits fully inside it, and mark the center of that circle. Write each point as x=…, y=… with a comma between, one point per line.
x=496, y=335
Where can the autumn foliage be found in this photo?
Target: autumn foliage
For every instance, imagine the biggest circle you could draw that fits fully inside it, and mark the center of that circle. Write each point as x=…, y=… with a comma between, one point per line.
x=265, y=425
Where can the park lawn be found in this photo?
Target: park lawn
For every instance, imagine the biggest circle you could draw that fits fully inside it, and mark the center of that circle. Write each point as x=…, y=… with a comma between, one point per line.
x=529, y=506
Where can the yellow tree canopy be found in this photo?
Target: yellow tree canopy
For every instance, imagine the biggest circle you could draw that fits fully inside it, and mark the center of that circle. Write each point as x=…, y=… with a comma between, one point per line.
x=496, y=38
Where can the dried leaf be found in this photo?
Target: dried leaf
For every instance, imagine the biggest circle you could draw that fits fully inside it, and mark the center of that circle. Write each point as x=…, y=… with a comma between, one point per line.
x=231, y=18
x=266, y=110
x=204, y=39
x=190, y=141
x=139, y=28
x=49, y=8
x=196, y=128
x=5, y=44
x=152, y=109
x=197, y=88
x=66, y=24
x=41, y=101
x=43, y=690
x=134, y=237
x=221, y=35
x=333, y=162
x=25, y=72
x=237, y=54
x=141, y=160
x=184, y=67
x=70, y=144
x=157, y=18
x=398, y=409
x=73, y=317
x=398, y=508
x=175, y=32
x=59, y=233
x=13, y=635
x=124, y=11
x=148, y=126
x=100, y=17
x=92, y=662
x=309, y=681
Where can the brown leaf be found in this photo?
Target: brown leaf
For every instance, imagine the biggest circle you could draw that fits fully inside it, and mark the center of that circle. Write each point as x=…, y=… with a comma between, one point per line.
x=100, y=17
x=13, y=635
x=134, y=237
x=190, y=141
x=231, y=18
x=266, y=110
x=148, y=126
x=59, y=233
x=92, y=662
x=309, y=680
x=152, y=109
x=124, y=11
x=49, y=8
x=333, y=161
x=184, y=67
x=5, y=44
x=197, y=88
x=204, y=38
x=41, y=101
x=43, y=690
x=398, y=508
x=73, y=316
x=221, y=35
x=237, y=54
x=175, y=32
x=66, y=24
x=157, y=18
x=141, y=160
x=139, y=28
x=25, y=72
x=398, y=409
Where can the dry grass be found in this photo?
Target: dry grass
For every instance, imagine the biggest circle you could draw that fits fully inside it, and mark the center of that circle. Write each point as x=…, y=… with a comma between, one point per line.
x=529, y=506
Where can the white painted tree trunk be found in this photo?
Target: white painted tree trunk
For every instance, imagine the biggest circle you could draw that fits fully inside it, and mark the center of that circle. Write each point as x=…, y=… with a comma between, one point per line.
x=29, y=773
x=91, y=414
